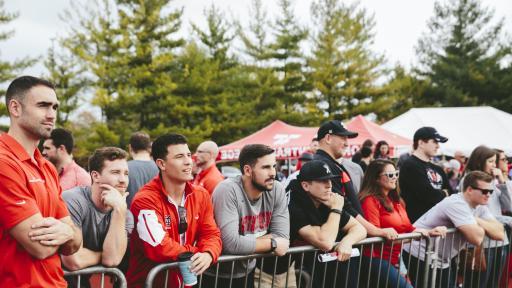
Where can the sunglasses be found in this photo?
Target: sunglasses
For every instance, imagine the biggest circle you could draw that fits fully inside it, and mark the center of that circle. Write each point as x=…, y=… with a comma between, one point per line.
x=484, y=191
x=182, y=227
x=391, y=175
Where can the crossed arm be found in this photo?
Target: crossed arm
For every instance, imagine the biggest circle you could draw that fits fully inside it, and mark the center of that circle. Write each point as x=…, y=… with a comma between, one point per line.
x=42, y=237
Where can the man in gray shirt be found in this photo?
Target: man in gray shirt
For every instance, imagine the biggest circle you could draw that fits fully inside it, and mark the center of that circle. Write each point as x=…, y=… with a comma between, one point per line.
x=252, y=214
x=100, y=211
x=142, y=168
x=469, y=214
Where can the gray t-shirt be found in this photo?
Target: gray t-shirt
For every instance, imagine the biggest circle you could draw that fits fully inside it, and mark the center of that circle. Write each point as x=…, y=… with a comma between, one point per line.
x=93, y=223
x=140, y=173
x=241, y=220
x=451, y=212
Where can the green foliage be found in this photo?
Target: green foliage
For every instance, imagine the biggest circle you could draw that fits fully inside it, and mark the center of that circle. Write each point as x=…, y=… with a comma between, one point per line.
x=143, y=76
x=344, y=69
x=66, y=73
x=462, y=54
x=9, y=69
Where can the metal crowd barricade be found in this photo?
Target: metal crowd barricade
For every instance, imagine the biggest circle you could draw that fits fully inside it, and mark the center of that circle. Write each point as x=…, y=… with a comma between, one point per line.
x=89, y=271
x=306, y=275
x=484, y=266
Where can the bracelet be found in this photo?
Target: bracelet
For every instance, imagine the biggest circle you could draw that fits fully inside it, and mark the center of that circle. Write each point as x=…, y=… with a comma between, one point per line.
x=337, y=211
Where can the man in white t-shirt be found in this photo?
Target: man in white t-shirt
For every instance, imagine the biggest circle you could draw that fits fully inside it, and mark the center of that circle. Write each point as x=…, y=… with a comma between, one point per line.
x=465, y=211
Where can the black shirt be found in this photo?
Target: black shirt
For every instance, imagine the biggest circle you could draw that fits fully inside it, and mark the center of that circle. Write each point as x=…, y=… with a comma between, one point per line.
x=421, y=185
x=342, y=185
x=303, y=213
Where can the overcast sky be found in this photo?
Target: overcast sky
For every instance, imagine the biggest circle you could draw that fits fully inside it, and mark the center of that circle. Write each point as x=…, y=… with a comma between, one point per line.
x=399, y=23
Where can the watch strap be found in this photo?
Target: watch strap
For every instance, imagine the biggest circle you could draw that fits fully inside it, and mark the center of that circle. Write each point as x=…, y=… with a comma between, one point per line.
x=337, y=211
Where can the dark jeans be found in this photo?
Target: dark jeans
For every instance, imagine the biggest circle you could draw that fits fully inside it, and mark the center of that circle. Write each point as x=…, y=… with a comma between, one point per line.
x=332, y=274
x=495, y=258
x=382, y=274
x=209, y=282
x=415, y=268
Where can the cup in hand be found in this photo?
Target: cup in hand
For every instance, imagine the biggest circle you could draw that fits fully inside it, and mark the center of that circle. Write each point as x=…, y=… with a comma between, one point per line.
x=189, y=278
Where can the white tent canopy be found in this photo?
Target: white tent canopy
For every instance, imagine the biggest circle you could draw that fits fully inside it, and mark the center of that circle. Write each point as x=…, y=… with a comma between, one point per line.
x=465, y=127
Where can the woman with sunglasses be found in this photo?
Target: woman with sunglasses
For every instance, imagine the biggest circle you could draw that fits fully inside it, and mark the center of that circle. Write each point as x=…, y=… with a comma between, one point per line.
x=383, y=207
x=483, y=158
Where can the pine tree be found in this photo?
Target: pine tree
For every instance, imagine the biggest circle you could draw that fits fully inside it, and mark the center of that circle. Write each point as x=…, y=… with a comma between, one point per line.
x=66, y=73
x=462, y=54
x=288, y=59
x=344, y=68
x=9, y=69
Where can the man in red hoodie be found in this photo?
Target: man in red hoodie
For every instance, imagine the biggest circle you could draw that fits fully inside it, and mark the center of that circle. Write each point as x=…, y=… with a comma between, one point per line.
x=172, y=216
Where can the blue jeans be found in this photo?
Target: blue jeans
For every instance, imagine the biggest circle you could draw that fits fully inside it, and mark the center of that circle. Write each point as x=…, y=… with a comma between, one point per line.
x=332, y=274
x=382, y=274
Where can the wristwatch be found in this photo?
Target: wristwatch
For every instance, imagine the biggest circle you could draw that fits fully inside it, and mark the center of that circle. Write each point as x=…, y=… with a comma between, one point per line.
x=337, y=211
x=273, y=244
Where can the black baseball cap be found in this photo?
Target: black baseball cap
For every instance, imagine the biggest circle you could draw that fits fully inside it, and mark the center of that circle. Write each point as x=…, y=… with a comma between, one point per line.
x=315, y=170
x=306, y=156
x=334, y=127
x=425, y=133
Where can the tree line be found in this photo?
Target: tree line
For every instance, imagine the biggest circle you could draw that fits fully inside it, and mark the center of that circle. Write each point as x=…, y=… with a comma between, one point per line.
x=234, y=76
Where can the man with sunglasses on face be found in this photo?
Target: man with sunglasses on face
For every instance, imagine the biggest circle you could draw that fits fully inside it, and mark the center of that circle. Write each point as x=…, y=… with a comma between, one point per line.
x=172, y=216
x=422, y=183
x=466, y=211
x=252, y=213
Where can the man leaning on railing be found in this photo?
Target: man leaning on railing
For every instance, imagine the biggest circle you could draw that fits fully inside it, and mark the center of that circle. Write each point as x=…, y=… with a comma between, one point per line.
x=465, y=211
x=317, y=218
x=253, y=217
x=100, y=212
x=172, y=216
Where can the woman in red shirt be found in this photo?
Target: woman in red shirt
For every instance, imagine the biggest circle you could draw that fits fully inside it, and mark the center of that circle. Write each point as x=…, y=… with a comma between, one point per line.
x=384, y=208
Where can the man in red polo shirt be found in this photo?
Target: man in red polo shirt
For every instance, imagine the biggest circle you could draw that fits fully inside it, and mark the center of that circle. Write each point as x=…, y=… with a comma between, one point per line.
x=209, y=176
x=34, y=222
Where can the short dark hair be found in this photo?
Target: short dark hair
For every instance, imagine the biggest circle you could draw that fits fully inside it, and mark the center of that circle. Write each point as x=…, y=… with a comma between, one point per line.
x=251, y=153
x=472, y=177
x=366, y=151
x=21, y=85
x=100, y=155
x=64, y=137
x=367, y=143
x=159, y=147
x=140, y=141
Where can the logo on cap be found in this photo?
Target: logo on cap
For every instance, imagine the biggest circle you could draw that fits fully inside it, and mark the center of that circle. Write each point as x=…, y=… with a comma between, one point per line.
x=327, y=169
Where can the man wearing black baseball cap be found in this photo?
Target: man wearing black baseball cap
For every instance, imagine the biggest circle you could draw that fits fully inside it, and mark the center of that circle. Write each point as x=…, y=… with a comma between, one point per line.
x=422, y=183
x=333, y=140
x=317, y=218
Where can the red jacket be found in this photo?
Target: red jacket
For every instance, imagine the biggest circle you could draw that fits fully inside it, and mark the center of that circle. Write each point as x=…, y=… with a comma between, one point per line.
x=209, y=178
x=157, y=240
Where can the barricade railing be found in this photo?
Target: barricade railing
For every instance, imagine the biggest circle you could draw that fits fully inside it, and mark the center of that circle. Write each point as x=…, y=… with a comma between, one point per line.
x=310, y=272
x=89, y=271
x=467, y=265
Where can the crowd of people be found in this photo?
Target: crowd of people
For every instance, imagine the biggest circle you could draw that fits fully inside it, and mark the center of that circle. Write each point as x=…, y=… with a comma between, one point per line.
x=135, y=214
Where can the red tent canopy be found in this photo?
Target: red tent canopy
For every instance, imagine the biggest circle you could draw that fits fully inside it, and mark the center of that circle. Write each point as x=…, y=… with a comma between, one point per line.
x=370, y=130
x=288, y=141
